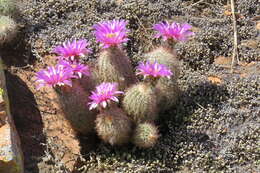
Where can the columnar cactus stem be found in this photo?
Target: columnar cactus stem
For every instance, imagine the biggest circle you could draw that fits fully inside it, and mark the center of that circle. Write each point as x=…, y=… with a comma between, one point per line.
x=73, y=102
x=166, y=56
x=168, y=88
x=114, y=66
x=168, y=93
x=7, y=7
x=113, y=126
x=145, y=135
x=8, y=29
x=140, y=102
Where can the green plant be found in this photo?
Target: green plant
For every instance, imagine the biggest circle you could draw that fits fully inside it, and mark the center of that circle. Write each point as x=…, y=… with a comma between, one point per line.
x=113, y=126
x=168, y=88
x=8, y=29
x=140, y=102
x=1, y=91
x=73, y=101
x=168, y=93
x=167, y=57
x=145, y=135
x=7, y=7
x=114, y=66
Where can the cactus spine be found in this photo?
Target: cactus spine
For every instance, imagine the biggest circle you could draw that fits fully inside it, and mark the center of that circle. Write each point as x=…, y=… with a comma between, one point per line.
x=145, y=135
x=73, y=103
x=168, y=88
x=88, y=82
x=113, y=126
x=167, y=57
x=168, y=93
x=114, y=66
x=7, y=7
x=8, y=29
x=140, y=102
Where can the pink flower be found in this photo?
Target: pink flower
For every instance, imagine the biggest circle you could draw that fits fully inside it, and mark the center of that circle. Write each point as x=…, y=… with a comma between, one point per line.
x=103, y=94
x=154, y=70
x=77, y=68
x=111, y=33
x=53, y=76
x=70, y=50
x=177, y=31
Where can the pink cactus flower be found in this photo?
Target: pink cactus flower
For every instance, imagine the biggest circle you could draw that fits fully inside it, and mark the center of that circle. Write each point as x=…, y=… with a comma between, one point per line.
x=78, y=69
x=111, y=33
x=103, y=94
x=176, y=31
x=70, y=50
x=54, y=76
x=154, y=70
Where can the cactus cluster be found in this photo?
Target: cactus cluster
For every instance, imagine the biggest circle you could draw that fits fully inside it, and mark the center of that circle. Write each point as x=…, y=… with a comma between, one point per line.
x=110, y=98
x=8, y=27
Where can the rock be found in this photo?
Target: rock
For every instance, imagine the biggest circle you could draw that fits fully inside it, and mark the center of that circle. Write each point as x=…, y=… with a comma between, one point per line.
x=11, y=157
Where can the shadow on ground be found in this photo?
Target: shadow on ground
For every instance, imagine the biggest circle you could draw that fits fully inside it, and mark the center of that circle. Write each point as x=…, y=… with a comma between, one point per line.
x=194, y=97
x=27, y=119
x=173, y=128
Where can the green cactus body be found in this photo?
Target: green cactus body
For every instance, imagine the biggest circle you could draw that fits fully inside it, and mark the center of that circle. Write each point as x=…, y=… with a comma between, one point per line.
x=168, y=93
x=8, y=29
x=73, y=102
x=114, y=66
x=140, y=102
x=145, y=135
x=168, y=88
x=167, y=57
x=113, y=126
x=7, y=7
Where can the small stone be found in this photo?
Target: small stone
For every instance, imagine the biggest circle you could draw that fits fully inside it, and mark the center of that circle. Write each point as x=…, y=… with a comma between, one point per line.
x=2, y=118
x=258, y=25
x=10, y=153
x=11, y=157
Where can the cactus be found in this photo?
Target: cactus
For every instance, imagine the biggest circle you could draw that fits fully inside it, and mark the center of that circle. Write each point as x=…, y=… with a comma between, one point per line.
x=168, y=93
x=88, y=82
x=145, y=135
x=73, y=102
x=7, y=7
x=8, y=29
x=113, y=126
x=167, y=57
x=140, y=102
x=114, y=66
x=168, y=88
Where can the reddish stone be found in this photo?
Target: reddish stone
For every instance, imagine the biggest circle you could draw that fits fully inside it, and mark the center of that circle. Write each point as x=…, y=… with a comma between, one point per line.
x=11, y=158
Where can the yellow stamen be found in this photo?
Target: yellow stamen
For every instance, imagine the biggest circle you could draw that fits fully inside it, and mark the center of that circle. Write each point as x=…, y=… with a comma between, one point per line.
x=111, y=35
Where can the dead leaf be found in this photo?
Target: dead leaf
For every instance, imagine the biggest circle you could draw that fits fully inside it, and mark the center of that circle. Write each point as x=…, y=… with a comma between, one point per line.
x=243, y=75
x=215, y=79
x=195, y=29
x=250, y=43
x=258, y=25
x=229, y=13
x=222, y=60
x=242, y=63
x=119, y=2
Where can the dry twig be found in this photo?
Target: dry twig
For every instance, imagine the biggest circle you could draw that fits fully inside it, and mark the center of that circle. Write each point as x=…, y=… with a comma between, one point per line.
x=235, y=50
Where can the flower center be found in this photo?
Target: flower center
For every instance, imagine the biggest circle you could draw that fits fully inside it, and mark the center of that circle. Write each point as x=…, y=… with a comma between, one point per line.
x=111, y=35
x=73, y=65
